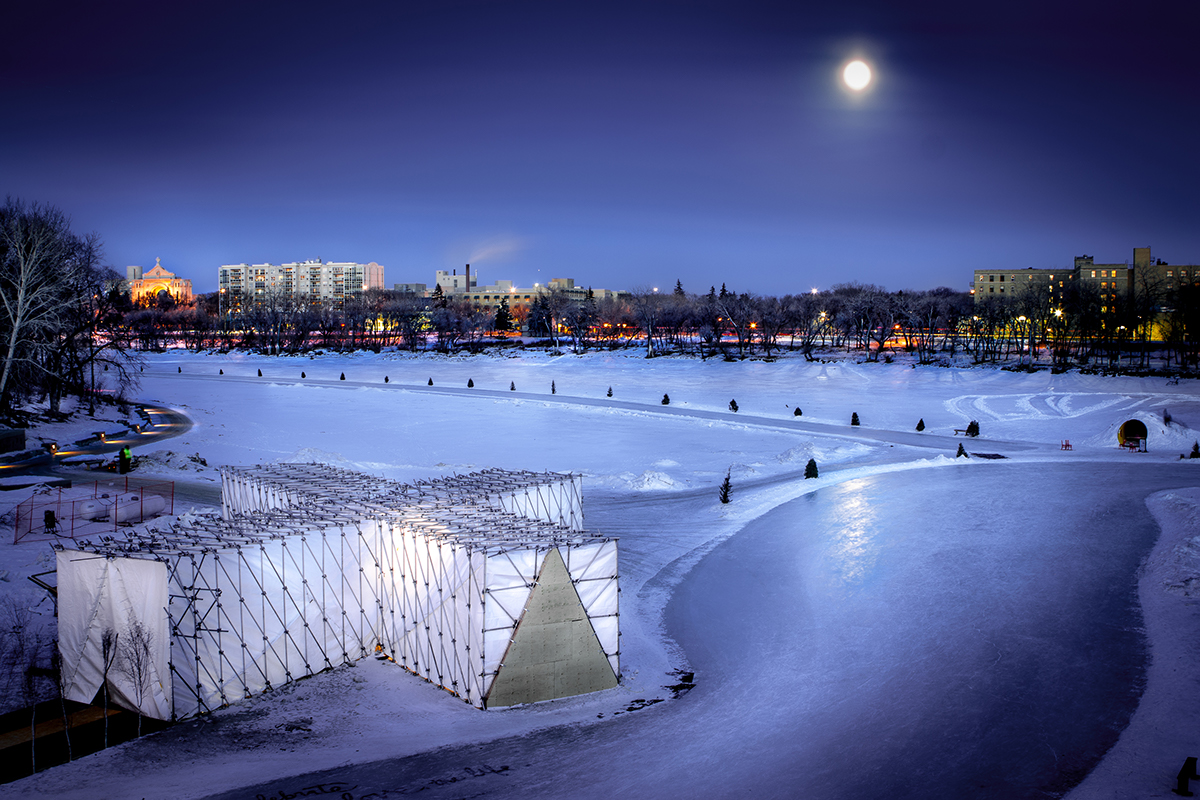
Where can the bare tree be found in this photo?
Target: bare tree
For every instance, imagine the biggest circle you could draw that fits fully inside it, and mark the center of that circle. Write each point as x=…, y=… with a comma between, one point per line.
x=37, y=259
x=136, y=662
x=108, y=651
x=646, y=305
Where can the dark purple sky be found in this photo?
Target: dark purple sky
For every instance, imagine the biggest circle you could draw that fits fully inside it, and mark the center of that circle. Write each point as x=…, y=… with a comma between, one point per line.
x=622, y=144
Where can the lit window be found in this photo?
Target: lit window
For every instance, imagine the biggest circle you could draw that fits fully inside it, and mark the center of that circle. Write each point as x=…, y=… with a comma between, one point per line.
x=1093, y=273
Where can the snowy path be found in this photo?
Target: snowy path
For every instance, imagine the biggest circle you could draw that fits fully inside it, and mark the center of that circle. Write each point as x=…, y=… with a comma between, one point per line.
x=934, y=441
x=875, y=638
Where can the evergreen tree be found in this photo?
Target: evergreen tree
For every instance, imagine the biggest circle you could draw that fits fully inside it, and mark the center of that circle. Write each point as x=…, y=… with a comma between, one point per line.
x=726, y=488
x=504, y=319
x=302, y=375
x=733, y=406
x=343, y=377
x=666, y=401
x=972, y=428
x=438, y=298
x=470, y=383
x=921, y=424
x=679, y=289
x=854, y=418
x=221, y=371
x=1195, y=450
x=962, y=451
x=553, y=388
x=724, y=292
x=610, y=391
x=431, y=381
x=810, y=469
x=797, y=412
x=512, y=386
x=385, y=378
x=260, y=373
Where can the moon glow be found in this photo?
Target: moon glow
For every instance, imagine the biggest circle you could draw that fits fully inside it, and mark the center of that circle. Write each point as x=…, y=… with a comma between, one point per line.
x=856, y=75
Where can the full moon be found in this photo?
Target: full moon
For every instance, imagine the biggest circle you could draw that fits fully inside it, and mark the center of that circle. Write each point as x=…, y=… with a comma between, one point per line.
x=856, y=75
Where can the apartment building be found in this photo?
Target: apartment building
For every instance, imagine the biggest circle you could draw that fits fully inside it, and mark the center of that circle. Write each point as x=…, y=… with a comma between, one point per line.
x=314, y=281
x=1112, y=281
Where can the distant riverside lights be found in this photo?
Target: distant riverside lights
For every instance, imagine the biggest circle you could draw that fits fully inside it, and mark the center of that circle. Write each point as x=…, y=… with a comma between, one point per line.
x=856, y=75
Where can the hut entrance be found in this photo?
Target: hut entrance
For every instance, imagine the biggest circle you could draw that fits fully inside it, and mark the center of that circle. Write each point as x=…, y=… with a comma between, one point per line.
x=1132, y=434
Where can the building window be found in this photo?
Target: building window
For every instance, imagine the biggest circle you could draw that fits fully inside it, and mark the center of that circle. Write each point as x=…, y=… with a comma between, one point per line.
x=1093, y=273
x=991, y=278
x=1171, y=274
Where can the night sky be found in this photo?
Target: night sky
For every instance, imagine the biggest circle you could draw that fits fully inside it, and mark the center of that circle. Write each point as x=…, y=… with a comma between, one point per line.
x=621, y=144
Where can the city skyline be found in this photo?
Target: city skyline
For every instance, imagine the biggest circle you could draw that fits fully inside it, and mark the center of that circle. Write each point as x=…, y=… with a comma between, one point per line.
x=623, y=144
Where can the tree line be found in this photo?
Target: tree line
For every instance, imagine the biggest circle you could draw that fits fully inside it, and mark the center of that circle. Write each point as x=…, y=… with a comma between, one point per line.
x=1033, y=326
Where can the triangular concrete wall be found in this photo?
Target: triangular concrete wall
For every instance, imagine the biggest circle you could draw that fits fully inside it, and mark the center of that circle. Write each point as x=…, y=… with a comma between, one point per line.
x=554, y=652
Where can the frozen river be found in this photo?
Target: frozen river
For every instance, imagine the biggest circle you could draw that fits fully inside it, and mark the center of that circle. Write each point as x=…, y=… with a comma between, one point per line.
x=958, y=632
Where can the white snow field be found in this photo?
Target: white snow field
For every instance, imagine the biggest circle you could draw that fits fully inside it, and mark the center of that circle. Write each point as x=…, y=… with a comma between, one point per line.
x=906, y=625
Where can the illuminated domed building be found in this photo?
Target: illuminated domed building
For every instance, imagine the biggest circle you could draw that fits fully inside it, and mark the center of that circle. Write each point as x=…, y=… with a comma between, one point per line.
x=146, y=289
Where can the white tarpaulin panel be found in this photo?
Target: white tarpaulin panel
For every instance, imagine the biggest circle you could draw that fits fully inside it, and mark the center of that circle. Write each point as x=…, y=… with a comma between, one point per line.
x=129, y=597
x=593, y=570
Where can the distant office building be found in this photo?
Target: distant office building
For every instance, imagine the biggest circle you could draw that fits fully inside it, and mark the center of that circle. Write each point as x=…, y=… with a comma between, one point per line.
x=489, y=297
x=419, y=289
x=313, y=281
x=147, y=288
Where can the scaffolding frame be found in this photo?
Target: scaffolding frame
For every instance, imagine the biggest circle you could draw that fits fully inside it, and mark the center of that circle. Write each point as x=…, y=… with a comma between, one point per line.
x=312, y=566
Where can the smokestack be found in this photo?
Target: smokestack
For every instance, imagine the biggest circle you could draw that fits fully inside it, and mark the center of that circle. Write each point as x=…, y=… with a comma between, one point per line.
x=468, y=277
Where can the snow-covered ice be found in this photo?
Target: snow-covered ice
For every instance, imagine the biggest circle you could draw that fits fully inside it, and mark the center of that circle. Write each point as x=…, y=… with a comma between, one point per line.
x=902, y=626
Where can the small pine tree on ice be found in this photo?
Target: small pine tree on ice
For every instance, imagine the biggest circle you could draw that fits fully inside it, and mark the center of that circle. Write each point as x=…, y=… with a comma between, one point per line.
x=512, y=386
x=797, y=412
x=972, y=428
x=962, y=452
x=260, y=373
x=726, y=488
x=920, y=424
x=470, y=383
x=431, y=381
x=1195, y=450
x=221, y=371
x=553, y=388
x=385, y=378
x=302, y=375
x=854, y=418
x=810, y=469
x=666, y=400
x=610, y=391
x=733, y=406
x=343, y=377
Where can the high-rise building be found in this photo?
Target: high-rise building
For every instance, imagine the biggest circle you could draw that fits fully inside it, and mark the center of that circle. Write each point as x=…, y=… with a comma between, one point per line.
x=314, y=281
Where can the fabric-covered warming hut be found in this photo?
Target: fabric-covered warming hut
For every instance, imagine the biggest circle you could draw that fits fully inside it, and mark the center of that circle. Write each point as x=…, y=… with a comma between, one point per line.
x=485, y=584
